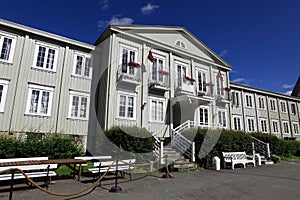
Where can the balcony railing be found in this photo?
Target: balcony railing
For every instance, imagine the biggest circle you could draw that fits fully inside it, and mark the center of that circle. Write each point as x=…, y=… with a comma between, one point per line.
x=159, y=81
x=129, y=73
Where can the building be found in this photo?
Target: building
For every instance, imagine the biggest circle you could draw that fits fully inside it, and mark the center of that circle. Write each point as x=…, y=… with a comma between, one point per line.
x=160, y=78
x=45, y=82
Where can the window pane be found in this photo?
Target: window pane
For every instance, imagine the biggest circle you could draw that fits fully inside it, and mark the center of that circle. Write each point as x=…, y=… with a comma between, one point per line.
x=78, y=65
x=124, y=60
x=154, y=111
x=160, y=67
x=132, y=59
x=83, y=107
x=45, y=102
x=1, y=91
x=5, y=51
x=154, y=69
x=200, y=83
x=122, y=106
x=160, y=111
x=75, y=103
x=87, y=67
x=41, y=56
x=34, y=101
x=130, y=107
x=50, y=59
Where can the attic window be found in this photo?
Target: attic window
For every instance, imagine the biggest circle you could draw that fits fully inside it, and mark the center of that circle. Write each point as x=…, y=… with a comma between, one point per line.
x=181, y=44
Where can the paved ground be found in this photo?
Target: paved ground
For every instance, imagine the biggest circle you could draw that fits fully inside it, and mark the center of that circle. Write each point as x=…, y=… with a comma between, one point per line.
x=274, y=182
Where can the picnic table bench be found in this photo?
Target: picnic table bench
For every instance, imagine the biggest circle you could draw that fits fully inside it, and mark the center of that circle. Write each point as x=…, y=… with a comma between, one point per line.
x=234, y=158
x=33, y=167
x=122, y=166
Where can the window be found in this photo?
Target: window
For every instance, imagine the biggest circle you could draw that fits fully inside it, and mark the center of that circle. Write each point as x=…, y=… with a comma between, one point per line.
x=45, y=57
x=251, y=124
x=126, y=105
x=181, y=74
x=201, y=81
x=7, y=47
x=157, y=68
x=82, y=65
x=237, y=123
x=296, y=128
x=181, y=44
x=283, y=106
x=263, y=125
x=293, y=109
x=3, y=92
x=249, y=101
x=275, y=126
x=204, y=116
x=157, y=109
x=286, y=128
x=222, y=118
x=128, y=55
x=220, y=84
x=273, y=104
x=39, y=100
x=79, y=105
x=235, y=98
x=261, y=103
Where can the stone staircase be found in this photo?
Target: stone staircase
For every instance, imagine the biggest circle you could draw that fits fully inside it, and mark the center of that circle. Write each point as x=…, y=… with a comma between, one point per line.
x=180, y=162
x=266, y=161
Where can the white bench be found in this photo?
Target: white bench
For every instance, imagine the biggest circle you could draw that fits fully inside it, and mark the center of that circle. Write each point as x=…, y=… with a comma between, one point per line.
x=31, y=170
x=124, y=167
x=234, y=158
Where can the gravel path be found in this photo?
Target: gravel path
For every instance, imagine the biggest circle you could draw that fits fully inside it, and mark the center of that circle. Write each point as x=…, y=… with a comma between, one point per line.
x=265, y=182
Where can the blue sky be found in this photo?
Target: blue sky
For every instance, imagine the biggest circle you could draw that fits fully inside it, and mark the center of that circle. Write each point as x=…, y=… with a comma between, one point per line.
x=260, y=39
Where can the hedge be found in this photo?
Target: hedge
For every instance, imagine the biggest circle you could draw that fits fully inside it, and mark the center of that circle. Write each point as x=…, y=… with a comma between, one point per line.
x=52, y=145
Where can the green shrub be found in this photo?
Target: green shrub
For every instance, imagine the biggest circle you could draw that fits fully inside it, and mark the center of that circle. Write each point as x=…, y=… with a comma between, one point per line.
x=137, y=141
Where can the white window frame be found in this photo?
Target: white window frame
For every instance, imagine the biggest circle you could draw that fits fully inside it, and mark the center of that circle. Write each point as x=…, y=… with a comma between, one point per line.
x=249, y=100
x=127, y=95
x=158, y=101
x=237, y=123
x=41, y=89
x=4, y=84
x=182, y=73
x=236, y=96
x=85, y=67
x=222, y=118
x=275, y=126
x=205, y=122
x=36, y=54
x=201, y=81
x=263, y=125
x=160, y=78
x=130, y=70
x=273, y=105
x=293, y=109
x=283, y=107
x=252, y=127
x=261, y=103
x=285, y=127
x=296, y=128
x=12, y=47
x=81, y=96
x=220, y=85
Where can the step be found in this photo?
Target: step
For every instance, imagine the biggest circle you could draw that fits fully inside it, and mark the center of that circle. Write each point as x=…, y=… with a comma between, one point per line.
x=267, y=162
x=185, y=166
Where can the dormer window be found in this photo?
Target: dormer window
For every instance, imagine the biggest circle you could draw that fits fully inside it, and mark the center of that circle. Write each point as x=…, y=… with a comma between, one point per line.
x=180, y=44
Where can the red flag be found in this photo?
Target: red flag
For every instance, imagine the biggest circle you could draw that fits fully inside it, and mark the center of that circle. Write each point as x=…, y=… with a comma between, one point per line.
x=150, y=56
x=219, y=75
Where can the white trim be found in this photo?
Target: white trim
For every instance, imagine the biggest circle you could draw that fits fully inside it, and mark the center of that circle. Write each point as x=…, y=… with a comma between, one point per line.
x=127, y=94
x=272, y=130
x=266, y=124
x=283, y=102
x=275, y=104
x=296, y=132
x=80, y=95
x=223, y=116
x=263, y=102
x=84, y=56
x=158, y=100
x=4, y=83
x=283, y=127
x=240, y=120
x=251, y=100
x=254, y=124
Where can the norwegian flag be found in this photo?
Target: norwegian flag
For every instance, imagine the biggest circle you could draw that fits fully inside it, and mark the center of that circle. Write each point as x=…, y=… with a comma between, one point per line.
x=150, y=56
x=219, y=75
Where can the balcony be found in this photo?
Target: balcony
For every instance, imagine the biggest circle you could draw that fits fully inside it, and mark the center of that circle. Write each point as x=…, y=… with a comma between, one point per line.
x=129, y=74
x=159, y=81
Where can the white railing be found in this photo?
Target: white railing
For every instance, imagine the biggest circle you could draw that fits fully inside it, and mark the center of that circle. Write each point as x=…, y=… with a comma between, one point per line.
x=159, y=149
x=261, y=147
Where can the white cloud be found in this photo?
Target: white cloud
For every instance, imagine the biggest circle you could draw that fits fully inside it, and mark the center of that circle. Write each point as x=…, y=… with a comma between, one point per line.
x=285, y=86
x=148, y=9
x=118, y=20
x=242, y=81
x=104, y=4
x=223, y=53
x=289, y=92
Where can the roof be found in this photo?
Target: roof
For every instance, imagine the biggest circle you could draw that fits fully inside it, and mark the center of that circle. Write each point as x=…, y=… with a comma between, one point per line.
x=296, y=90
x=262, y=91
x=129, y=30
x=45, y=34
